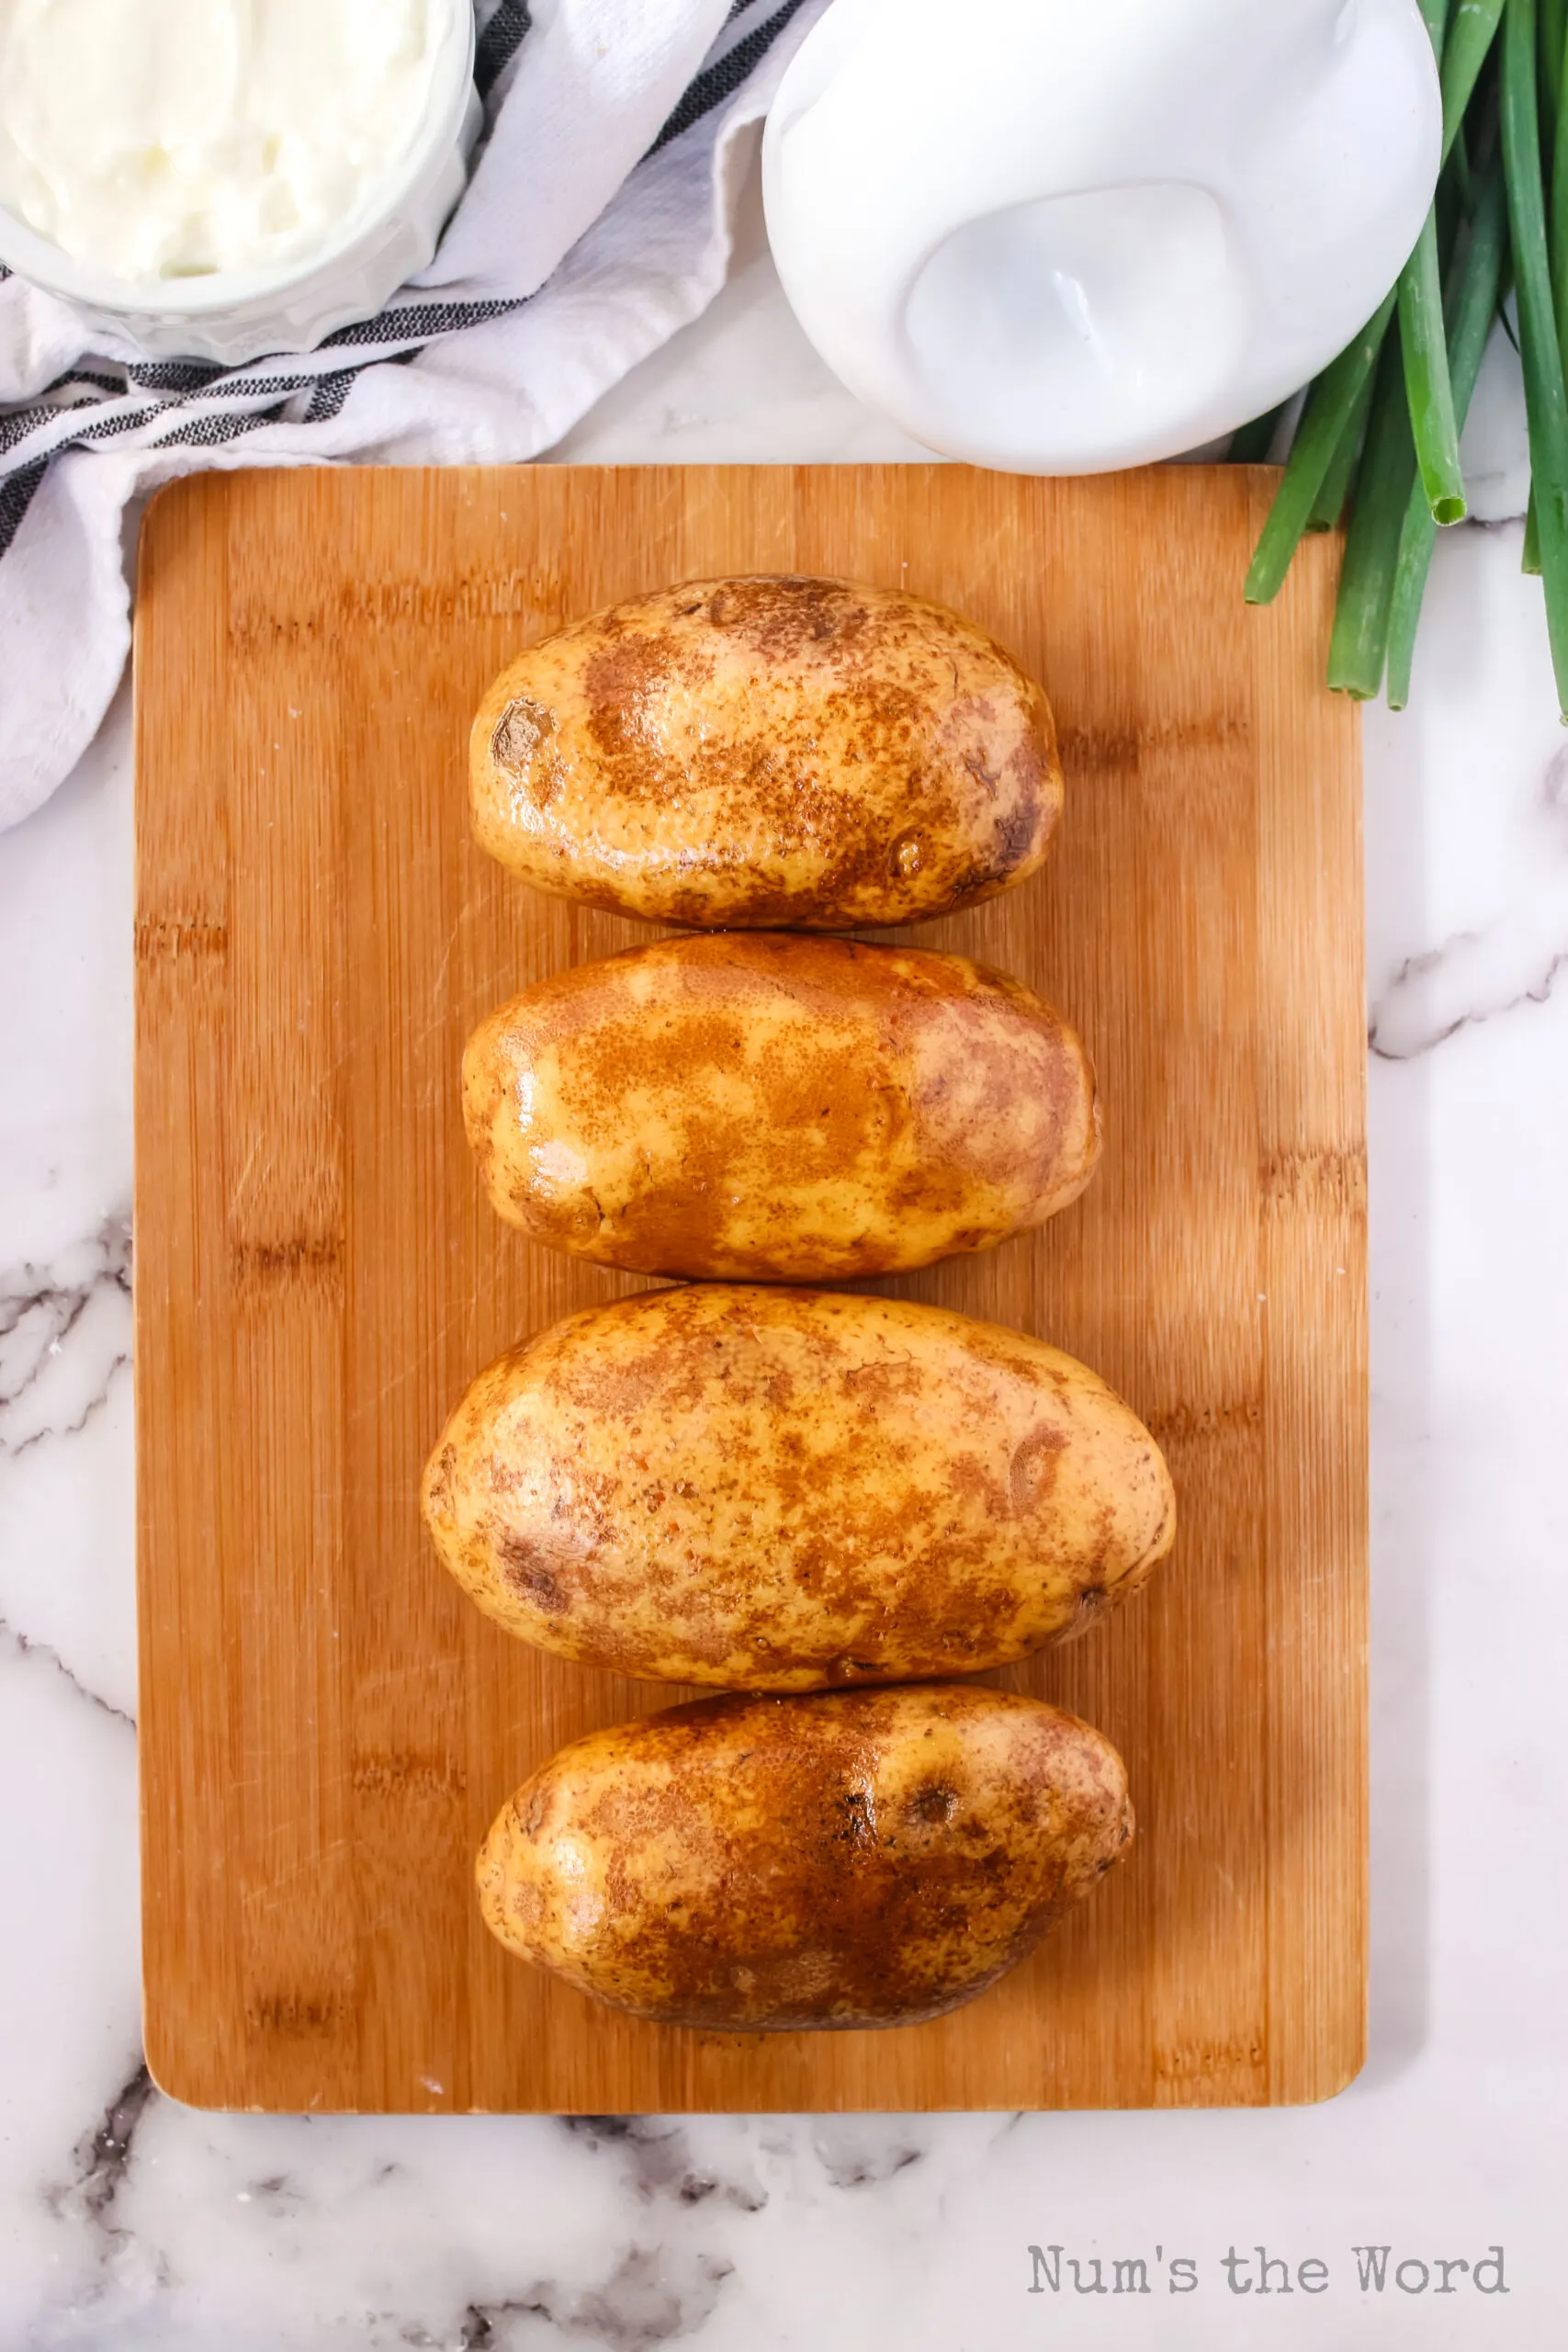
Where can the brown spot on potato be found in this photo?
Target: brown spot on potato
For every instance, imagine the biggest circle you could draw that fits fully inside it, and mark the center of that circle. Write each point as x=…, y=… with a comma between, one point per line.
x=1012, y=838
x=438, y=1482
x=518, y=733
x=529, y=1577
x=934, y=1804
x=1033, y=1472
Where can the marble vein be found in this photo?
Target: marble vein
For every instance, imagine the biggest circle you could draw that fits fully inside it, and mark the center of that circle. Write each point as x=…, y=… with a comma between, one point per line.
x=41, y=1654
x=1485, y=970
x=83, y=1297
x=103, y=2155
x=65, y=1454
x=1416, y=1015
x=651, y=2296
x=657, y=2161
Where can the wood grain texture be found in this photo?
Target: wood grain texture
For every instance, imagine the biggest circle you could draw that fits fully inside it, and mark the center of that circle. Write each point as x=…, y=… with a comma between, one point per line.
x=327, y=1726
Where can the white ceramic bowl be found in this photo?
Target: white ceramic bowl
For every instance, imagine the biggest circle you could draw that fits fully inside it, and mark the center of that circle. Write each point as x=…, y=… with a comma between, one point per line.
x=237, y=315
x=1060, y=236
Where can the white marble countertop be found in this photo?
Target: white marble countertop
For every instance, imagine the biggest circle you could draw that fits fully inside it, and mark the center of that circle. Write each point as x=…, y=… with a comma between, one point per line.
x=127, y=2222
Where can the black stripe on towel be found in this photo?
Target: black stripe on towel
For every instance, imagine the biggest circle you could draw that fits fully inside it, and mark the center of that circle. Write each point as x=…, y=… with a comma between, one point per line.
x=720, y=80
x=16, y=497
x=212, y=432
x=499, y=44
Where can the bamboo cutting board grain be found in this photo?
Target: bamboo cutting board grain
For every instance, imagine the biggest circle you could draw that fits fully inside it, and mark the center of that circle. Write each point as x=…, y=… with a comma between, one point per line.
x=327, y=1725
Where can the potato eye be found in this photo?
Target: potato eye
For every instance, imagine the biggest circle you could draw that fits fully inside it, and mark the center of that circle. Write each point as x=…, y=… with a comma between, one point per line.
x=934, y=1804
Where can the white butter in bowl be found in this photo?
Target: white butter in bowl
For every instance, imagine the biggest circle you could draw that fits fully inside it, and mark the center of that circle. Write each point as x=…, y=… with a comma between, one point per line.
x=1060, y=236
x=225, y=177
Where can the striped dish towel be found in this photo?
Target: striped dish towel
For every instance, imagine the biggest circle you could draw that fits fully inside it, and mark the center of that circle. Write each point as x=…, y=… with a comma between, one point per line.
x=597, y=222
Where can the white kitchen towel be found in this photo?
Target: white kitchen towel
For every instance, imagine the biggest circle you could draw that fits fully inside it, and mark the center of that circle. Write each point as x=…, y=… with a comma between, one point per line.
x=596, y=223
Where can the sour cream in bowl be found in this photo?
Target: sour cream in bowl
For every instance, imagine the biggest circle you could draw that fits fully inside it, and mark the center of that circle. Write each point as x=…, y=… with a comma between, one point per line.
x=224, y=178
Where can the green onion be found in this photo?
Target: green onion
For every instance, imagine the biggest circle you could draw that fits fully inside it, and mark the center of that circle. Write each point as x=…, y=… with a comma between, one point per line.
x=1476, y=286
x=1250, y=444
x=1358, y=646
x=1329, y=505
x=1435, y=16
x=1553, y=38
x=1426, y=382
x=1426, y=347
x=1330, y=405
x=1546, y=400
x=1470, y=35
x=1553, y=26
x=1557, y=232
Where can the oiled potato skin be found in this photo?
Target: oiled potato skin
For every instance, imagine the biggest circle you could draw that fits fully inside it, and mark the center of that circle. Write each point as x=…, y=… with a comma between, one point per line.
x=762, y=1107
x=803, y=753
x=866, y=1857
x=773, y=1489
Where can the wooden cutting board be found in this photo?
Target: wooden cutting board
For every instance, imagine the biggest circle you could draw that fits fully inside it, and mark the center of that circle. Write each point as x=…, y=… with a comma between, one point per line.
x=327, y=1725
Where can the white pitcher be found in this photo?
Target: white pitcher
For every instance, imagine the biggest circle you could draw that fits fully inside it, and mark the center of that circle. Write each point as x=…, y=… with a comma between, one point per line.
x=1059, y=236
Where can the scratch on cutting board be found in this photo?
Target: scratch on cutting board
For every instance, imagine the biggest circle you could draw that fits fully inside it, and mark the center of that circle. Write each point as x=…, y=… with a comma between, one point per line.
x=269, y=1897
x=239, y=1182
x=440, y=980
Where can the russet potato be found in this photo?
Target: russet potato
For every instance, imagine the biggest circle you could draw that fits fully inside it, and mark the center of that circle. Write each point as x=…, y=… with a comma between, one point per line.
x=774, y=753
x=773, y=1108
x=863, y=1858
x=778, y=1490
